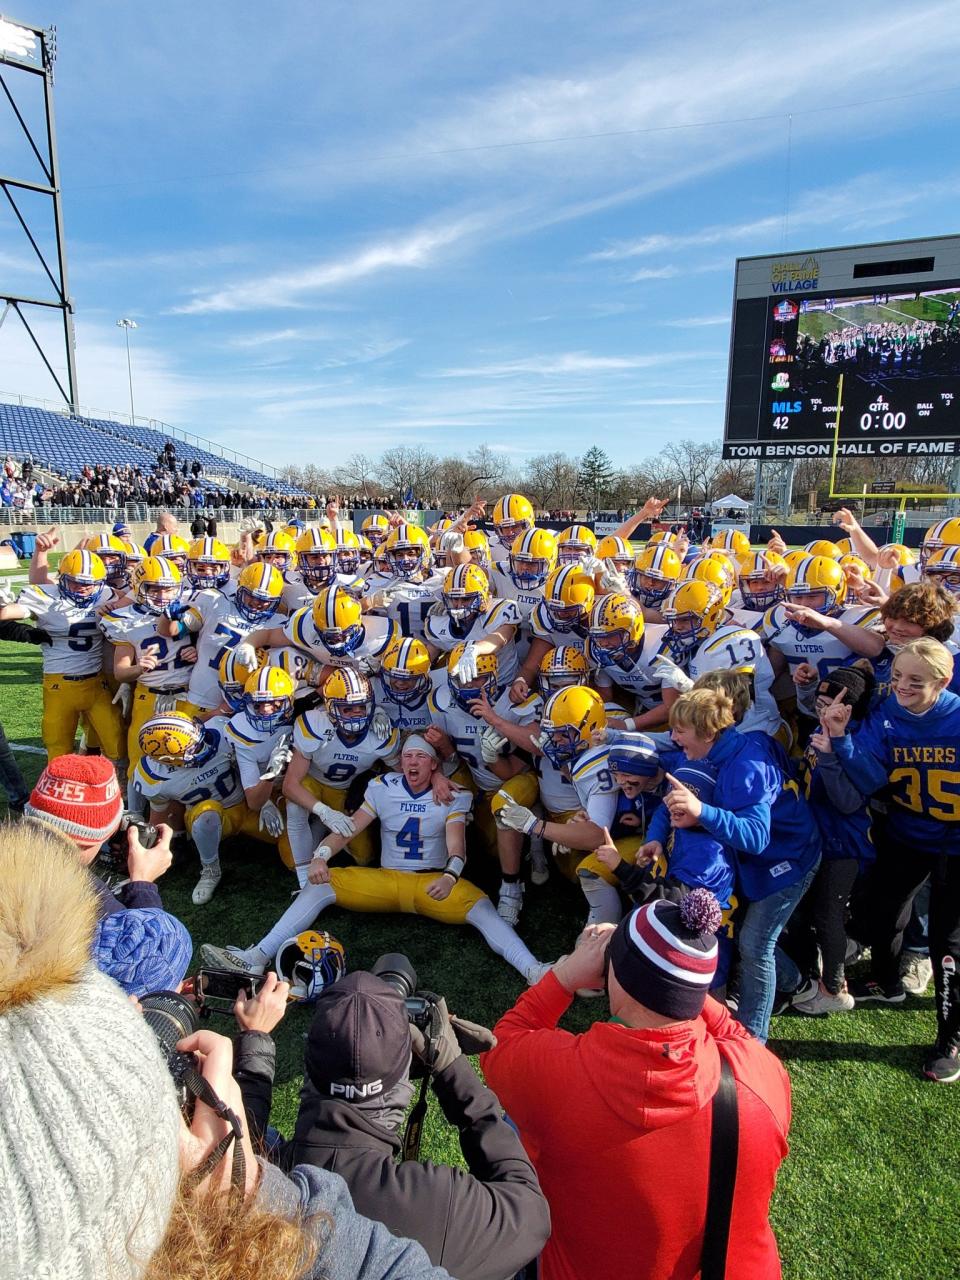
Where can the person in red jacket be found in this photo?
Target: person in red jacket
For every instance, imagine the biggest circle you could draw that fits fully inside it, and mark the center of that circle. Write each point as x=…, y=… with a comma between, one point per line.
x=617, y=1121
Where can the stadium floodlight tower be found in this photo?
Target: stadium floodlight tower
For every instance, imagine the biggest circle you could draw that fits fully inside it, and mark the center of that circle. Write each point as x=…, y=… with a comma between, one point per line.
x=32, y=51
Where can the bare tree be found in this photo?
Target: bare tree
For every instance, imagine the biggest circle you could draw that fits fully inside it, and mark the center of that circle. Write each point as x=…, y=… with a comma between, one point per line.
x=551, y=480
x=358, y=474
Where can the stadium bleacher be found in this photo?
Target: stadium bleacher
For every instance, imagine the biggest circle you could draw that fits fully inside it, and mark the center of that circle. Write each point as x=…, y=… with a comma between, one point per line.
x=64, y=444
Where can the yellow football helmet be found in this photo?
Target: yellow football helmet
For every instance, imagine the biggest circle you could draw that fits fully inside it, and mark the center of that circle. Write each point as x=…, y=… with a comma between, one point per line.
x=311, y=962
x=476, y=542
x=466, y=593
x=823, y=547
x=662, y=535
x=732, y=540
x=315, y=552
x=945, y=533
x=259, y=589
x=943, y=568
x=793, y=558
x=172, y=548
x=692, y=612
x=568, y=596
x=532, y=557
x=175, y=739
x=575, y=543
x=407, y=550
x=616, y=629
x=349, y=701
x=233, y=676
x=366, y=546
x=338, y=618
x=512, y=515
x=853, y=569
x=268, y=698
x=570, y=719
x=618, y=550
x=761, y=586
x=655, y=572
x=713, y=570
x=278, y=549
x=135, y=554
x=487, y=679
x=405, y=672
x=905, y=555
x=375, y=529
x=560, y=668
x=208, y=563
x=82, y=577
x=817, y=582
x=845, y=545
x=349, y=552
x=113, y=552
x=159, y=583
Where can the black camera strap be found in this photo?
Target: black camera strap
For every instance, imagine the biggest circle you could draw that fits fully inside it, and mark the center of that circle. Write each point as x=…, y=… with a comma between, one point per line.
x=724, y=1150
x=201, y=1090
x=414, y=1130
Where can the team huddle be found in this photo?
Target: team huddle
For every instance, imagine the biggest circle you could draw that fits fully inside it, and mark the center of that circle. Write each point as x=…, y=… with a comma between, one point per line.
x=401, y=700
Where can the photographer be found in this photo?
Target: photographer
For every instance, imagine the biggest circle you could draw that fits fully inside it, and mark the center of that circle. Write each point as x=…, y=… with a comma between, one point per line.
x=482, y=1225
x=102, y=1175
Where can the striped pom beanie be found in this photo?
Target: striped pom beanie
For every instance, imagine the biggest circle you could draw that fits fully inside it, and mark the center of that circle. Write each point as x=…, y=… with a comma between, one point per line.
x=664, y=954
x=80, y=796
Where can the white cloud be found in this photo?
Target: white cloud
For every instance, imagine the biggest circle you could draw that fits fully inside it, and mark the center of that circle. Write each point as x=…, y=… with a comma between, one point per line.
x=697, y=322
x=653, y=273
x=571, y=362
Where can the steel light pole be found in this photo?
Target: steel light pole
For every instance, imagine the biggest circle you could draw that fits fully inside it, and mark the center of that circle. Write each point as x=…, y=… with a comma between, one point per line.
x=126, y=326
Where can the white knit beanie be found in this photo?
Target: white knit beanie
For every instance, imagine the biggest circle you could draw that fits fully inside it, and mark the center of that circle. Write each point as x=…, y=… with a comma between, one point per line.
x=88, y=1116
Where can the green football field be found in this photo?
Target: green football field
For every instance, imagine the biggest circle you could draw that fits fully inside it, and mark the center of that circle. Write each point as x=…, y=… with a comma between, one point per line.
x=871, y=1188
x=817, y=323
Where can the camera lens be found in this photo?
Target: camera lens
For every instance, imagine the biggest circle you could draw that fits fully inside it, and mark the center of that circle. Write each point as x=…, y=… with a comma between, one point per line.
x=170, y=1017
x=396, y=971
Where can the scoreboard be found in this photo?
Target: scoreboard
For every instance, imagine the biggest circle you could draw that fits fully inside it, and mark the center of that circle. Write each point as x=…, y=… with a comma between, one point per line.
x=871, y=332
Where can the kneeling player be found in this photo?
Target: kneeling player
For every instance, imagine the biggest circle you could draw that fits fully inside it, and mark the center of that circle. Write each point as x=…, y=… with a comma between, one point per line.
x=422, y=859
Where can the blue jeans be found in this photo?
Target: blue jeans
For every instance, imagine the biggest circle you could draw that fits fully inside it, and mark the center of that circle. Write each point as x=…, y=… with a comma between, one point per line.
x=915, y=936
x=760, y=962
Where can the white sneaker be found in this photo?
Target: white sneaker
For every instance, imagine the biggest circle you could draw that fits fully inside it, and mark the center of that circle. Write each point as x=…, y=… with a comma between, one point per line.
x=228, y=958
x=206, y=886
x=824, y=1001
x=510, y=903
x=539, y=863
x=537, y=971
x=916, y=972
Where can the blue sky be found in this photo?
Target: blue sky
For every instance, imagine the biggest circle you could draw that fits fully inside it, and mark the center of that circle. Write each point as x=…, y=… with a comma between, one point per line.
x=345, y=226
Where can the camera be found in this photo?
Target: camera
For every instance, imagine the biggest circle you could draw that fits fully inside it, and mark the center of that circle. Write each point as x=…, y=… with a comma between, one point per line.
x=396, y=971
x=171, y=1017
x=147, y=834
x=216, y=990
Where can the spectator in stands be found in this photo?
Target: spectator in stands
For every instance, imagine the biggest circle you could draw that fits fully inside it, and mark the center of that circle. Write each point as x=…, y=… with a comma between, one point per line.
x=9, y=467
x=618, y=1120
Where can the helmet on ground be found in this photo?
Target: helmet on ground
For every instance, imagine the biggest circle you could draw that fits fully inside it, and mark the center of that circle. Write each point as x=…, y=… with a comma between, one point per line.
x=259, y=589
x=268, y=699
x=208, y=563
x=279, y=549
x=570, y=719
x=338, y=618
x=616, y=629
x=233, y=675
x=560, y=668
x=817, y=582
x=348, y=698
x=311, y=962
x=407, y=550
x=512, y=515
x=466, y=593
x=175, y=739
x=83, y=577
x=315, y=552
x=159, y=583
x=405, y=672
x=655, y=572
x=487, y=679
x=568, y=596
x=692, y=612
x=575, y=543
x=532, y=557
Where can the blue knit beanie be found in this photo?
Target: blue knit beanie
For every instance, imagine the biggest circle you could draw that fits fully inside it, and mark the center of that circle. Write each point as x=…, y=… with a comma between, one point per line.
x=144, y=949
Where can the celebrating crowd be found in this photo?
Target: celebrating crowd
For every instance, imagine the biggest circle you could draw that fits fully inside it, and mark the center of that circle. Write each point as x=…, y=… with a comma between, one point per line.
x=745, y=760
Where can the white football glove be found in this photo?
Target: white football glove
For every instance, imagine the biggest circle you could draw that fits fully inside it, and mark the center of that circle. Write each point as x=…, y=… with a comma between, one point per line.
x=356, y=586
x=246, y=654
x=466, y=668
x=340, y=824
x=381, y=726
x=589, y=563
x=670, y=675
x=515, y=817
x=451, y=542
x=6, y=595
x=611, y=579
x=323, y=851
x=271, y=820
x=251, y=524
x=492, y=743
x=123, y=699
x=279, y=758
x=165, y=703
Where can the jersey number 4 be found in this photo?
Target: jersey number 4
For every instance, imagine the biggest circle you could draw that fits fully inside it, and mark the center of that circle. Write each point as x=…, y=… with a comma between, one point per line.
x=408, y=839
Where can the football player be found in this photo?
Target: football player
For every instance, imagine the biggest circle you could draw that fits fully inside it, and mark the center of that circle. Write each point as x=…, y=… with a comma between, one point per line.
x=404, y=684
x=417, y=836
x=624, y=651
x=334, y=630
x=512, y=516
x=522, y=574
x=260, y=735
x=414, y=588
x=465, y=614
x=561, y=618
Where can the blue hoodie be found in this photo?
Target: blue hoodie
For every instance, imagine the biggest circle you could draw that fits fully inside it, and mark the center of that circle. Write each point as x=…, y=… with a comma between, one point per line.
x=693, y=857
x=913, y=761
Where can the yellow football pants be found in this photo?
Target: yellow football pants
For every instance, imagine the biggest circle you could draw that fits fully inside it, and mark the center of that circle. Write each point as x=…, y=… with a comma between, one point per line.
x=627, y=847
x=239, y=820
x=377, y=889
x=522, y=788
x=65, y=701
x=362, y=846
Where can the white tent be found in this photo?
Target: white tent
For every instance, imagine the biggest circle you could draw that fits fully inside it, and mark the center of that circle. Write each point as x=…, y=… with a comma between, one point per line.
x=731, y=500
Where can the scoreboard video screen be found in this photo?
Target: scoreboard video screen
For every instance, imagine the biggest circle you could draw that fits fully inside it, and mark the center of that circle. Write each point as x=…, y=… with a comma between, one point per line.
x=872, y=330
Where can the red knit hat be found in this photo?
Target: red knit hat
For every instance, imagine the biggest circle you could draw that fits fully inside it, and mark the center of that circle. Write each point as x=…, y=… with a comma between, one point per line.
x=80, y=796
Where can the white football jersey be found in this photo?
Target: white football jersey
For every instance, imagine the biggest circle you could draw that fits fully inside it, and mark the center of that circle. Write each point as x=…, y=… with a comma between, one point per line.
x=526, y=599
x=137, y=626
x=217, y=779
x=408, y=719
x=542, y=628
x=296, y=594
x=413, y=829
x=594, y=785
x=379, y=634
x=464, y=732
x=732, y=646
x=412, y=601
x=252, y=747
x=638, y=676
x=218, y=626
x=332, y=760
x=820, y=648
x=439, y=631
x=77, y=648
